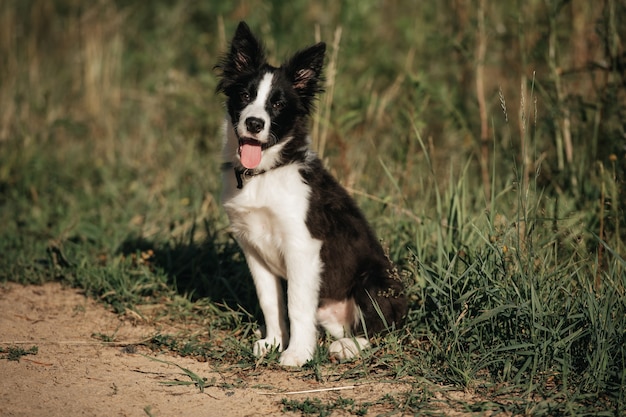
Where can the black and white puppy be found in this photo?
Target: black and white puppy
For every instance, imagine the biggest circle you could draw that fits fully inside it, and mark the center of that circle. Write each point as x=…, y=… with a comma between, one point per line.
x=291, y=218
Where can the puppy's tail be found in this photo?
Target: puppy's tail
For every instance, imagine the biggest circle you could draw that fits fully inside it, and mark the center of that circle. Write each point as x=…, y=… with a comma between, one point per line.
x=382, y=302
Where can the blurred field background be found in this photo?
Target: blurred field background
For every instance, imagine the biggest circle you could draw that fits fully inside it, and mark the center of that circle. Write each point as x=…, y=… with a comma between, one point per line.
x=486, y=142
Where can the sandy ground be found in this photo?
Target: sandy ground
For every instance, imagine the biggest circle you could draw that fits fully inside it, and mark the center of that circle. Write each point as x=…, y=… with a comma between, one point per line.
x=74, y=374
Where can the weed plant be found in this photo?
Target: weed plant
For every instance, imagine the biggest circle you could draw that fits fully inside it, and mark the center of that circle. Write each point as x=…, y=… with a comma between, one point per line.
x=502, y=201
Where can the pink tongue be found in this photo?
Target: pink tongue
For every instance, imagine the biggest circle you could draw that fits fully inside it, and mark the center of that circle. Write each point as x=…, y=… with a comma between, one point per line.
x=250, y=154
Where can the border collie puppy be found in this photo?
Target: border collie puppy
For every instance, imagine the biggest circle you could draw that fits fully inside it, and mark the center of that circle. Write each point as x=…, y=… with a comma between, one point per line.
x=292, y=220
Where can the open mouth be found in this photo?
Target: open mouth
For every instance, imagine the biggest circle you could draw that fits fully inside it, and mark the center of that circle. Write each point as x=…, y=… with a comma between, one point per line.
x=250, y=152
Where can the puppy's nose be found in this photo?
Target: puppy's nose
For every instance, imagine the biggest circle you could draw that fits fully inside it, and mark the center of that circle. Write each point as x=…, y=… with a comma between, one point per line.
x=254, y=124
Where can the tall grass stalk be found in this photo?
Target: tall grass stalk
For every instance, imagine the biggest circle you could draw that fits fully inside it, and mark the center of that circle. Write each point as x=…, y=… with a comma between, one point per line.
x=322, y=123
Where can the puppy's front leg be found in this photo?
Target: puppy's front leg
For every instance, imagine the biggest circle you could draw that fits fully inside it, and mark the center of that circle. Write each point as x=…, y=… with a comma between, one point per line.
x=304, y=269
x=270, y=294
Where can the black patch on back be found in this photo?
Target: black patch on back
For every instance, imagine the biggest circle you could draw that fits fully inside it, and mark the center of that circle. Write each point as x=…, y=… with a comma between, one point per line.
x=355, y=264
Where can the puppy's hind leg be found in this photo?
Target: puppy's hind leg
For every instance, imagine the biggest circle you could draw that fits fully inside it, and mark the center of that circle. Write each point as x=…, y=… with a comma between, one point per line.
x=339, y=318
x=347, y=347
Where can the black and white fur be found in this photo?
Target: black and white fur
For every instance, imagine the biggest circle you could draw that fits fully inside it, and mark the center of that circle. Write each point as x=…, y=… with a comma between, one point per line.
x=291, y=217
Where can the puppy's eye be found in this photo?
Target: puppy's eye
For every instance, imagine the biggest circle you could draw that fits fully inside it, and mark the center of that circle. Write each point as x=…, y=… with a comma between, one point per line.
x=245, y=96
x=278, y=105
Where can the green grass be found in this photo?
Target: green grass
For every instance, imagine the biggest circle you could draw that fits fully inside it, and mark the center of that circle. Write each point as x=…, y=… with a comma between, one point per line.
x=109, y=181
x=196, y=380
x=14, y=353
x=316, y=407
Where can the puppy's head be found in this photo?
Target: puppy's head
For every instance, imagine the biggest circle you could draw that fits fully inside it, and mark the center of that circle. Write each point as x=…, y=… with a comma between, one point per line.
x=266, y=103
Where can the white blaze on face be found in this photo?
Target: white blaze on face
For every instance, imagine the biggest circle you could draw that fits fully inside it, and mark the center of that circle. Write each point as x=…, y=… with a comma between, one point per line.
x=250, y=151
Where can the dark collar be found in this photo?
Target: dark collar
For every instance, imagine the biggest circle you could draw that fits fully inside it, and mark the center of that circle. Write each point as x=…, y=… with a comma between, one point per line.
x=241, y=174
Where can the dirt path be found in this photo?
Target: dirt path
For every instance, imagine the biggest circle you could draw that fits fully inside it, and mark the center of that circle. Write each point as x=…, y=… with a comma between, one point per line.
x=75, y=374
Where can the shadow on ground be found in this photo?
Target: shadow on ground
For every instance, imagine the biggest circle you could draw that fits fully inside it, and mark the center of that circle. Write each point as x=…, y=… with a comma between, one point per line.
x=212, y=267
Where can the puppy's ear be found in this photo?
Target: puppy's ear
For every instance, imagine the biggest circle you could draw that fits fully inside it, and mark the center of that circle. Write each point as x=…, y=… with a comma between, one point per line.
x=305, y=67
x=304, y=70
x=246, y=51
x=246, y=55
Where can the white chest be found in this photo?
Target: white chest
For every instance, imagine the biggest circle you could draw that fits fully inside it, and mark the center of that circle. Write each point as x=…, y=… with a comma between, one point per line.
x=268, y=215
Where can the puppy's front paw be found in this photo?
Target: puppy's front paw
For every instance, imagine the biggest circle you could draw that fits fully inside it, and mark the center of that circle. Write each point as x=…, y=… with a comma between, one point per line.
x=262, y=346
x=295, y=357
